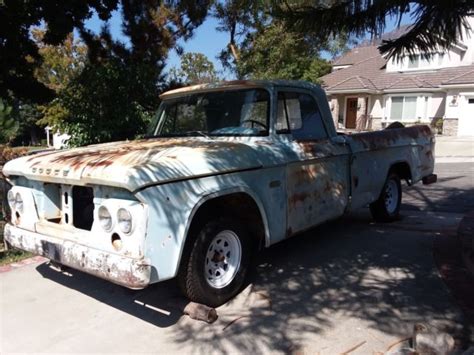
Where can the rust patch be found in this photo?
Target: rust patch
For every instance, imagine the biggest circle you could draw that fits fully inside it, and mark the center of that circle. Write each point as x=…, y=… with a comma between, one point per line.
x=123, y=153
x=297, y=198
x=385, y=138
x=303, y=176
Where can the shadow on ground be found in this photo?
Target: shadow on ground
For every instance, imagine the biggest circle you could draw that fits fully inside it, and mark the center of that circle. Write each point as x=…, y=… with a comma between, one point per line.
x=382, y=276
x=347, y=268
x=454, y=191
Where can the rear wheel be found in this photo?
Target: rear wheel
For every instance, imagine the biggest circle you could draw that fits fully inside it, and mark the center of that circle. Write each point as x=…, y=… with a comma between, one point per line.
x=214, y=268
x=387, y=207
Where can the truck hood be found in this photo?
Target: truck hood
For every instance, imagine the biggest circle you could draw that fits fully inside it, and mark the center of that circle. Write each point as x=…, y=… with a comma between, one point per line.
x=137, y=164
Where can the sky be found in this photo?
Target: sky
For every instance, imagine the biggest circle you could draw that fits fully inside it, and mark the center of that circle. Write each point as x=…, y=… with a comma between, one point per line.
x=206, y=38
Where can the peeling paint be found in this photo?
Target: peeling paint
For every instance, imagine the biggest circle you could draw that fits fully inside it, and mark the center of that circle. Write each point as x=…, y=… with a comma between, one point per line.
x=130, y=272
x=295, y=184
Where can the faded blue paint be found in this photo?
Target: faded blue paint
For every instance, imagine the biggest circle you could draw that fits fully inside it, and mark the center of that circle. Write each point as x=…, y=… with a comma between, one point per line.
x=295, y=184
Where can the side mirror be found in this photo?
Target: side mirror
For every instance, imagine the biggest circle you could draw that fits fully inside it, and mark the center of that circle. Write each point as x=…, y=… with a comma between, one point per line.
x=339, y=140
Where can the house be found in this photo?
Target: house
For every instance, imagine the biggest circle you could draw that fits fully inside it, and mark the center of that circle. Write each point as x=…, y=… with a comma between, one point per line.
x=369, y=91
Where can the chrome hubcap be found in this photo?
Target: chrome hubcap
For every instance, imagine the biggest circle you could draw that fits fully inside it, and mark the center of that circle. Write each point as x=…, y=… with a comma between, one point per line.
x=391, y=196
x=222, y=259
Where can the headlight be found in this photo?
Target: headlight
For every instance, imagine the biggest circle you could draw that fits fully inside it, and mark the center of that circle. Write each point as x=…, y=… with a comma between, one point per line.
x=105, y=219
x=124, y=220
x=11, y=199
x=18, y=203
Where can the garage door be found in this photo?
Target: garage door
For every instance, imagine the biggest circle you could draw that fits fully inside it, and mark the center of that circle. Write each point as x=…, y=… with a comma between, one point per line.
x=466, y=120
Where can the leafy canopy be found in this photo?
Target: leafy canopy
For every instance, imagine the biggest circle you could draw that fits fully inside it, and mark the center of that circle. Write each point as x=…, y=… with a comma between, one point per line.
x=116, y=93
x=20, y=57
x=436, y=24
x=261, y=47
x=276, y=53
x=195, y=68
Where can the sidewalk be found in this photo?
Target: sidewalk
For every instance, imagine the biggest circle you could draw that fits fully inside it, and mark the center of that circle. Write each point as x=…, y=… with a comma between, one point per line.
x=454, y=149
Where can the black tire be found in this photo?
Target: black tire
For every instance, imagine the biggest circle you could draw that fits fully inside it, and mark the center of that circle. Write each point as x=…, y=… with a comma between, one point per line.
x=192, y=278
x=387, y=207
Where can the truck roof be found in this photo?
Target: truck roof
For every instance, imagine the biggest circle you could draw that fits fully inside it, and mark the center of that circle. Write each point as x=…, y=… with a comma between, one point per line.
x=238, y=84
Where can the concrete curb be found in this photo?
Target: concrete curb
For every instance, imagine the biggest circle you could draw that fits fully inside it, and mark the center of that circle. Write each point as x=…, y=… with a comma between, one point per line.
x=466, y=238
x=21, y=263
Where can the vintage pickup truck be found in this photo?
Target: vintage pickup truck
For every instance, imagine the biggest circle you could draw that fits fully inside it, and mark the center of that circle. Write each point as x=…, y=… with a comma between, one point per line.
x=227, y=169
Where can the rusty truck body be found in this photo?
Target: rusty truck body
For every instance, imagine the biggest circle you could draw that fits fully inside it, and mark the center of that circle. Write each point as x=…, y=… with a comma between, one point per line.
x=227, y=168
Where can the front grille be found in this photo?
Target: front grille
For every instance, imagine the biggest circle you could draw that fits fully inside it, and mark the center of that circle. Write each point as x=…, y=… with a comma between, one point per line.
x=66, y=204
x=82, y=207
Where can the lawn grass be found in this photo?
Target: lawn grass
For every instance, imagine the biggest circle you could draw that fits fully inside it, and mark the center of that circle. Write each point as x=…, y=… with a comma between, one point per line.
x=11, y=255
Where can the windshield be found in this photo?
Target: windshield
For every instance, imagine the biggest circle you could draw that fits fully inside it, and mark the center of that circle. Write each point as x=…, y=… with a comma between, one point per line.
x=223, y=113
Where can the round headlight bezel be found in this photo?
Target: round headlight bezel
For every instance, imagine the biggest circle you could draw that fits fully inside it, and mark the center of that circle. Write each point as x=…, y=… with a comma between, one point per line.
x=11, y=199
x=124, y=220
x=105, y=218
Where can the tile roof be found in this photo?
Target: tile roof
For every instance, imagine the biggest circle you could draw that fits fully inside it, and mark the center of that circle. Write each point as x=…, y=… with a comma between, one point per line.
x=357, y=55
x=367, y=72
x=355, y=82
x=464, y=78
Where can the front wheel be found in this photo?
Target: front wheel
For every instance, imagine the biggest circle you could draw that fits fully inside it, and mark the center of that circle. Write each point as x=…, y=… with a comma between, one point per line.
x=214, y=268
x=387, y=207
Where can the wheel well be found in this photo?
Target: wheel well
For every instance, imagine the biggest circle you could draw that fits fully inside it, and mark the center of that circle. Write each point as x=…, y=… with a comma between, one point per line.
x=236, y=204
x=402, y=169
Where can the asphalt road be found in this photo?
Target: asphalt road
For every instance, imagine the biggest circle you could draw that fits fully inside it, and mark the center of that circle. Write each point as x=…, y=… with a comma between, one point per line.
x=345, y=284
x=454, y=191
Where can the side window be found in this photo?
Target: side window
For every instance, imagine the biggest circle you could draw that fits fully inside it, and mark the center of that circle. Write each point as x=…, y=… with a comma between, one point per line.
x=282, y=125
x=299, y=114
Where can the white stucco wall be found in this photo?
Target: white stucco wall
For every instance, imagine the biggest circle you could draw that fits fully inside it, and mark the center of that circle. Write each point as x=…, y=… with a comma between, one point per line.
x=437, y=105
x=452, y=104
x=376, y=106
x=456, y=101
x=458, y=108
x=468, y=40
x=454, y=57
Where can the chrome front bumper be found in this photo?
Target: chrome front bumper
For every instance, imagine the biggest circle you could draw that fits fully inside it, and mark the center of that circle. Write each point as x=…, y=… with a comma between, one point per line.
x=125, y=271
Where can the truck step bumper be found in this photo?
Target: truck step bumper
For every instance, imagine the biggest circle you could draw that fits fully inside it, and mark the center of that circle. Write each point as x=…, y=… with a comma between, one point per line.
x=125, y=271
x=430, y=179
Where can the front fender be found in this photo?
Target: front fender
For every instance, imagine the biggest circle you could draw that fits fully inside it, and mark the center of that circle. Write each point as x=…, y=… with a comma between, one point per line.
x=172, y=208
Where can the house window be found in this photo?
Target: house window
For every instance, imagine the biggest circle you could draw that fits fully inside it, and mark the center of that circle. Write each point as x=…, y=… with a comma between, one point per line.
x=403, y=108
x=418, y=61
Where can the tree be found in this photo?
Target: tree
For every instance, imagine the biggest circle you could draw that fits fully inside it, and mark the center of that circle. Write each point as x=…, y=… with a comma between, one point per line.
x=108, y=102
x=111, y=94
x=275, y=53
x=195, y=68
x=260, y=46
x=59, y=65
x=238, y=18
x=19, y=56
x=117, y=92
x=436, y=24
x=8, y=125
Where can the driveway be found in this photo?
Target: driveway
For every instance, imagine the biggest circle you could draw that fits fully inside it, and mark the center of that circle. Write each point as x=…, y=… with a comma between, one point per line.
x=349, y=284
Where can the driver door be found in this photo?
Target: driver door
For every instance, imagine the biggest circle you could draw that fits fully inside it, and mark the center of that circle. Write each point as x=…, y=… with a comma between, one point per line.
x=318, y=173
